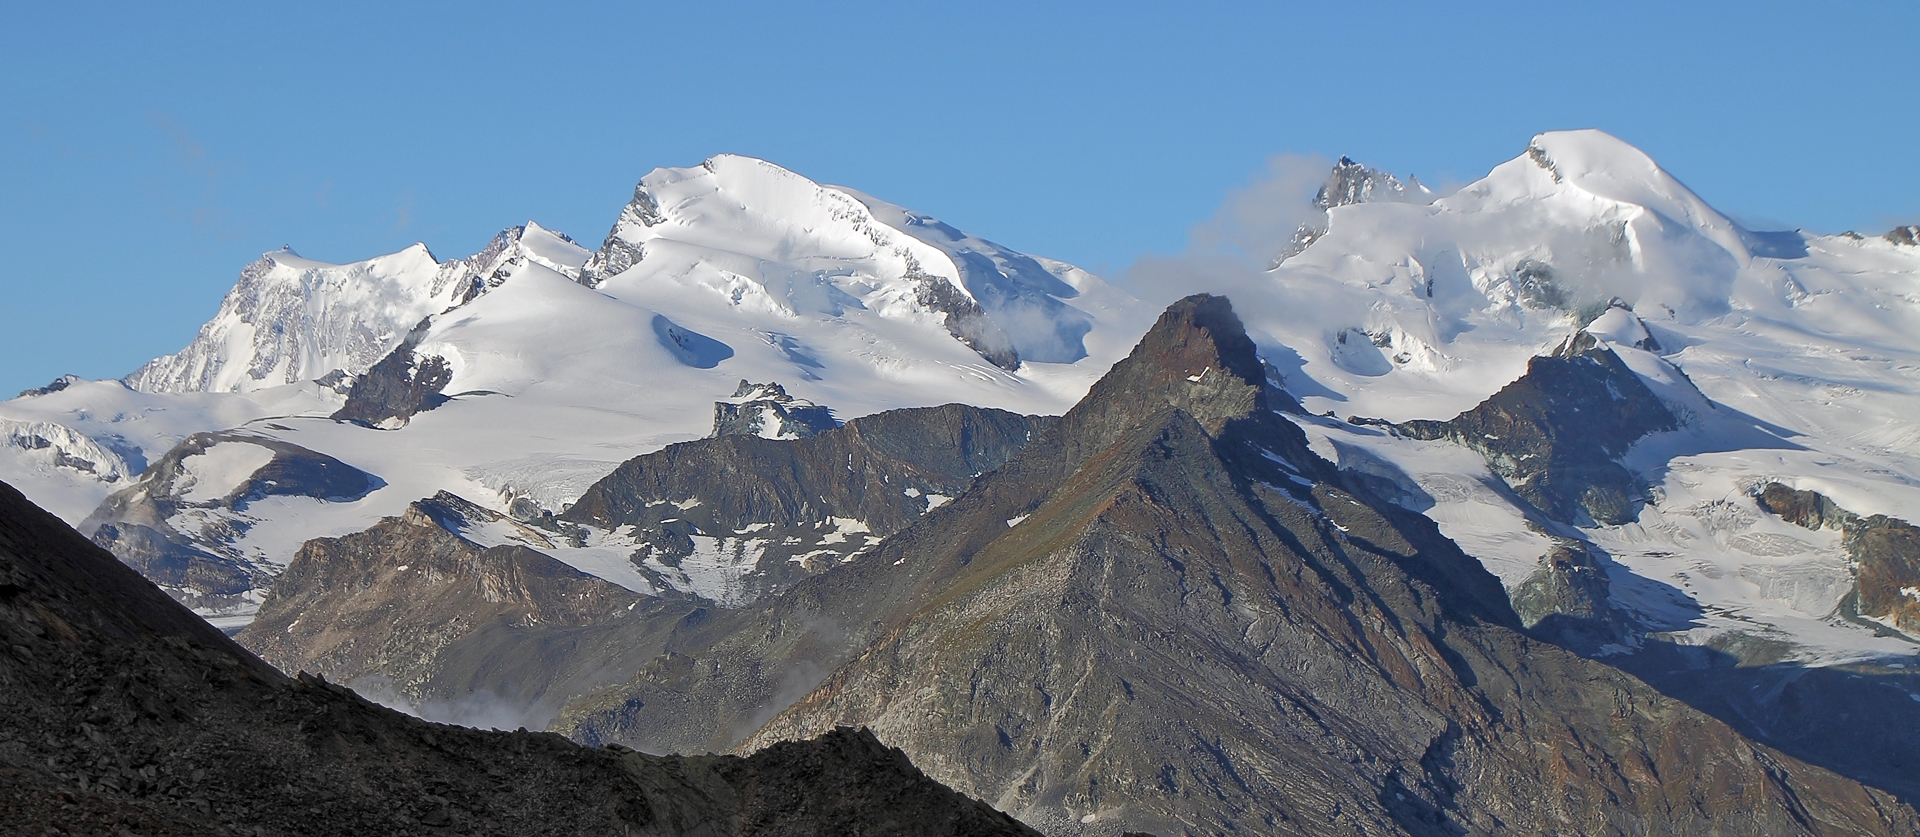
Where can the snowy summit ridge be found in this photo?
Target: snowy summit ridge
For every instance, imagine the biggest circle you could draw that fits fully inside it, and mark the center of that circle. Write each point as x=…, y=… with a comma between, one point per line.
x=769, y=238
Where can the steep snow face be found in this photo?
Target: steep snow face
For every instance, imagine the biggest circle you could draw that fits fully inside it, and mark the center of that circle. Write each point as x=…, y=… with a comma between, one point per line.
x=1017, y=291
x=291, y=319
x=767, y=240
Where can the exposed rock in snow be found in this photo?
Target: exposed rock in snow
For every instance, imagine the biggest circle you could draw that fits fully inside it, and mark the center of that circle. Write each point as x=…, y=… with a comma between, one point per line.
x=187, y=522
x=57, y=385
x=400, y=385
x=1351, y=183
x=1885, y=553
x=60, y=446
x=1556, y=434
x=767, y=411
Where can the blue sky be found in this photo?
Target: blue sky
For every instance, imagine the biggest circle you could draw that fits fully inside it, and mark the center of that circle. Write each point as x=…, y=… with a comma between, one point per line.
x=150, y=152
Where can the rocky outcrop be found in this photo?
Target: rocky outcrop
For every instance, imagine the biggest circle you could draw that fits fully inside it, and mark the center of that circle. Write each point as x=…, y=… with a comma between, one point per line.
x=1349, y=183
x=57, y=385
x=1569, y=601
x=616, y=254
x=1907, y=235
x=1167, y=615
x=809, y=503
x=124, y=713
x=766, y=410
x=966, y=320
x=400, y=386
x=412, y=610
x=179, y=522
x=1885, y=552
x=1556, y=434
x=1806, y=509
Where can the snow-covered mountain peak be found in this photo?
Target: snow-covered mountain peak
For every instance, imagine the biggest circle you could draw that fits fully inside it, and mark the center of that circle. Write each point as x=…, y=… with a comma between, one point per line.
x=1488, y=276
x=1608, y=168
x=765, y=238
x=292, y=319
x=524, y=244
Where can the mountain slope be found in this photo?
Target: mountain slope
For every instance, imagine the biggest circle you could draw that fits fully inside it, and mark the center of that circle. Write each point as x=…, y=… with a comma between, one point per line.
x=1167, y=614
x=124, y=710
x=461, y=613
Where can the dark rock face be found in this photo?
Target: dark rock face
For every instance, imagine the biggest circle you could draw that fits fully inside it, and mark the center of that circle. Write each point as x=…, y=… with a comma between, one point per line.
x=767, y=410
x=1885, y=552
x=1568, y=601
x=1806, y=509
x=1857, y=720
x=168, y=557
x=1908, y=235
x=882, y=470
x=616, y=254
x=966, y=320
x=137, y=523
x=396, y=611
x=400, y=386
x=1555, y=435
x=1167, y=615
x=57, y=385
x=121, y=711
x=413, y=610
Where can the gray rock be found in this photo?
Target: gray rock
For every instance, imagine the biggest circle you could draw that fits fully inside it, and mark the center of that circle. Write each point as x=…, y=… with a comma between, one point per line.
x=397, y=388
x=200, y=565
x=57, y=385
x=1349, y=183
x=767, y=410
x=1556, y=434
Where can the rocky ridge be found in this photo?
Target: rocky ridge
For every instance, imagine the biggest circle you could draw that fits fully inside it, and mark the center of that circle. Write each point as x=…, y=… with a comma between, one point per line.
x=800, y=506
x=411, y=611
x=1349, y=183
x=1556, y=435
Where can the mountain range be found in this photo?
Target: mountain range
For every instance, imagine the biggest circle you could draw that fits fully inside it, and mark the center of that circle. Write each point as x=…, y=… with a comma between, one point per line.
x=1562, y=502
